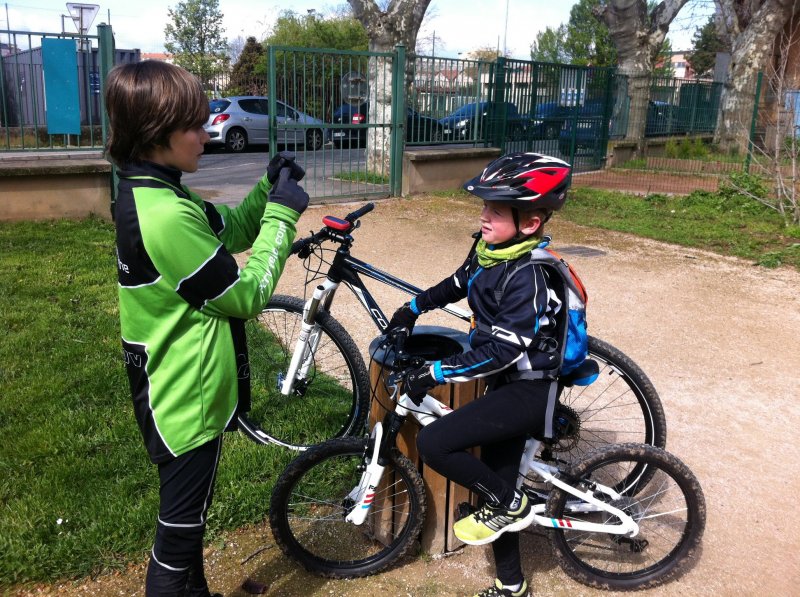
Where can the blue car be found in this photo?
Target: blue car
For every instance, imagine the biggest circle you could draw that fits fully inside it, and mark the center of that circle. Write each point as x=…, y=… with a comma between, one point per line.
x=470, y=122
x=547, y=120
x=588, y=125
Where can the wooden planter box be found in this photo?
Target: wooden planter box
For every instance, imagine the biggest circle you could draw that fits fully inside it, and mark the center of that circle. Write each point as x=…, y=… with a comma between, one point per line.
x=443, y=496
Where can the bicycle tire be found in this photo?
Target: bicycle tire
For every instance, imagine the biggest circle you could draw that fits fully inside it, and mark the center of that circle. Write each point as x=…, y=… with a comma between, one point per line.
x=670, y=510
x=309, y=504
x=621, y=406
x=334, y=401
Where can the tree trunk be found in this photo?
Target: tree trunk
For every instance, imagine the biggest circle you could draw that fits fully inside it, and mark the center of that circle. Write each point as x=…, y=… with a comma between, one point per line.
x=638, y=37
x=752, y=35
x=398, y=24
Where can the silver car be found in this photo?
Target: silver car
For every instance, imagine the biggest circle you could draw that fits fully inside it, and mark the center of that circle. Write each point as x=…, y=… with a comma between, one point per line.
x=239, y=121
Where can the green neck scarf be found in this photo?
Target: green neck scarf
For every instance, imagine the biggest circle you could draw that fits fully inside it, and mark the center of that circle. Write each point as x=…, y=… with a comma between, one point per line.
x=490, y=257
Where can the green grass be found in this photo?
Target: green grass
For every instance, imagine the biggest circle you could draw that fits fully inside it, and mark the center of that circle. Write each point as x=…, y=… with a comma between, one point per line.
x=77, y=492
x=723, y=222
x=362, y=176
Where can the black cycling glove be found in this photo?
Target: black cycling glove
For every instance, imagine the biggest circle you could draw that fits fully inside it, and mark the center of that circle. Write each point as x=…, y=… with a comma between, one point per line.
x=404, y=317
x=284, y=159
x=288, y=193
x=417, y=382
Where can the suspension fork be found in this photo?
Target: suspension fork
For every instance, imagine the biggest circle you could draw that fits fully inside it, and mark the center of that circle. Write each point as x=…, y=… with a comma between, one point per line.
x=381, y=444
x=309, y=337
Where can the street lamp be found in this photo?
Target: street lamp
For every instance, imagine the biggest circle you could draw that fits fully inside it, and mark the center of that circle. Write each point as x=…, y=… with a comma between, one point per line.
x=505, y=32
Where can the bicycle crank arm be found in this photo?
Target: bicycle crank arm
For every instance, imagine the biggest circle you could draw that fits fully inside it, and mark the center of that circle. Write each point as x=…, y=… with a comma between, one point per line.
x=364, y=494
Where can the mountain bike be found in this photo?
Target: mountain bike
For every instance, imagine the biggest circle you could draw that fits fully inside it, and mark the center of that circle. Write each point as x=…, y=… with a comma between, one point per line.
x=624, y=516
x=309, y=381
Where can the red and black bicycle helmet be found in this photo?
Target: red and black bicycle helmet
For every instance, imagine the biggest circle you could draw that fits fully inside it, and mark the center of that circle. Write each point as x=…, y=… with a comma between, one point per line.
x=525, y=180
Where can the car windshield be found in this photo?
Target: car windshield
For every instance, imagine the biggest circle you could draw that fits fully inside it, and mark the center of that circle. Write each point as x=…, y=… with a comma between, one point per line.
x=218, y=105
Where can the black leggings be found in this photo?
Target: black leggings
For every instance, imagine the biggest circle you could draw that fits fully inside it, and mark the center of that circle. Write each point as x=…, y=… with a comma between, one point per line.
x=187, y=488
x=499, y=422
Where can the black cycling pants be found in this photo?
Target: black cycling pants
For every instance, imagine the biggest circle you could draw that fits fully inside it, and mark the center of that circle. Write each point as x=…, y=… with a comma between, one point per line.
x=499, y=422
x=187, y=488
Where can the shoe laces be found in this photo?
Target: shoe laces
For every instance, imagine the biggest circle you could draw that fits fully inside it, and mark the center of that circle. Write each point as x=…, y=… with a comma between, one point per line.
x=485, y=513
x=492, y=591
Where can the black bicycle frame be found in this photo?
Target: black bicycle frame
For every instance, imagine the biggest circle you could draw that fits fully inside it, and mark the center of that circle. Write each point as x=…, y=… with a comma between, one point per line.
x=346, y=268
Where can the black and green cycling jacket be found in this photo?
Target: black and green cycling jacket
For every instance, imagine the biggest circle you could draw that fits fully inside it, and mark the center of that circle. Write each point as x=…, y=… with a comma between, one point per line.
x=183, y=301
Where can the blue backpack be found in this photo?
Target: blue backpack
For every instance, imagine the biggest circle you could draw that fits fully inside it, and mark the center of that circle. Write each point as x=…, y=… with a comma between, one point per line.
x=574, y=339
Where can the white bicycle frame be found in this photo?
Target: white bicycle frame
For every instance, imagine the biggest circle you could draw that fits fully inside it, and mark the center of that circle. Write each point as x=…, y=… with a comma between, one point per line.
x=430, y=410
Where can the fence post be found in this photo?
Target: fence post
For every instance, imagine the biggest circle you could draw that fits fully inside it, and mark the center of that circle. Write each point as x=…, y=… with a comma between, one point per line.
x=498, y=120
x=693, y=107
x=272, y=90
x=106, y=50
x=398, y=134
x=751, y=139
x=605, y=125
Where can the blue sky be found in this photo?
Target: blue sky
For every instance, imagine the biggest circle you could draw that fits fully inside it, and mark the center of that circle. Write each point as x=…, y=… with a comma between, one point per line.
x=458, y=25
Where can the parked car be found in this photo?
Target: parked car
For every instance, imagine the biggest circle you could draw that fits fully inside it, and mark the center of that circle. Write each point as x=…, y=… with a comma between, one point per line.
x=664, y=119
x=547, y=121
x=422, y=129
x=588, y=128
x=419, y=128
x=470, y=122
x=239, y=121
x=350, y=114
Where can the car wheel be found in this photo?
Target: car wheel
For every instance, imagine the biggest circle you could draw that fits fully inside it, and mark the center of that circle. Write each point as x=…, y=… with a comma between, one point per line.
x=236, y=140
x=437, y=136
x=314, y=139
x=551, y=132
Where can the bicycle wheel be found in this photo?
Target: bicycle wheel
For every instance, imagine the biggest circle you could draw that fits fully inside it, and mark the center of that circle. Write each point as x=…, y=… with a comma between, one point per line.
x=670, y=511
x=310, y=501
x=620, y=406
x=332, y=401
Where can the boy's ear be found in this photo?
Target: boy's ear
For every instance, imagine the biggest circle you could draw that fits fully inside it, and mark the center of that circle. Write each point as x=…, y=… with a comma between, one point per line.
x=530, y=224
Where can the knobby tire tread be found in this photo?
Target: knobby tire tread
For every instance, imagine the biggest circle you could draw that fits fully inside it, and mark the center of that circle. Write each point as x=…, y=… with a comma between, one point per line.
x=619, y=359
x=284, y=486
x=677, y=563
x=352, y=356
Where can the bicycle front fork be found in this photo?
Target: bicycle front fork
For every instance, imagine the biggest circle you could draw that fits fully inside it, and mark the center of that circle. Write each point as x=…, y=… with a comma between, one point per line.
x=308, y=341
x=363, y=494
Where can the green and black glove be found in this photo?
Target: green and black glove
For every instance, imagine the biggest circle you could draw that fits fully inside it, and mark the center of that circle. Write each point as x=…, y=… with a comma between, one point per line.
x=284, y=159
x=288, y=193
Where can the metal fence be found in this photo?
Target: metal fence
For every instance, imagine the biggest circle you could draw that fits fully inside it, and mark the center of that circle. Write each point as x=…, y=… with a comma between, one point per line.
x=51, y=89
x=325, y=105
x=332, y=106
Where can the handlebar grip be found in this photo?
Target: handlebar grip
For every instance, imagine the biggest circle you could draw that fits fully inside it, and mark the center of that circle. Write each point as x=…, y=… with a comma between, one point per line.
x=298, y=245
x=352, y=217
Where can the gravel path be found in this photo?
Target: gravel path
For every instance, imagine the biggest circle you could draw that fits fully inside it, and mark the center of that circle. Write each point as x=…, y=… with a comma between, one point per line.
x=717, y=336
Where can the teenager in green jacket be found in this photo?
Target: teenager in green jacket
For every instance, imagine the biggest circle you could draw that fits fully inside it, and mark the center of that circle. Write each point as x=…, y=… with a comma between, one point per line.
x=183, y=299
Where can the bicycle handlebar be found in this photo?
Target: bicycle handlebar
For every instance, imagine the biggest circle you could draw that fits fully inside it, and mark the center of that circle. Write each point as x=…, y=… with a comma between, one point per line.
x=362, y=211
x=327, y=232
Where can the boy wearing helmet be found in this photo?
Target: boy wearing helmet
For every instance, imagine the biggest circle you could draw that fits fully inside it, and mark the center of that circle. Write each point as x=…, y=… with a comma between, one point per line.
x=513, y=344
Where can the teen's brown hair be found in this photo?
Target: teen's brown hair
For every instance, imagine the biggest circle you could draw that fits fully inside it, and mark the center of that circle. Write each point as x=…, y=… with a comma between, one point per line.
x=146, y=103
